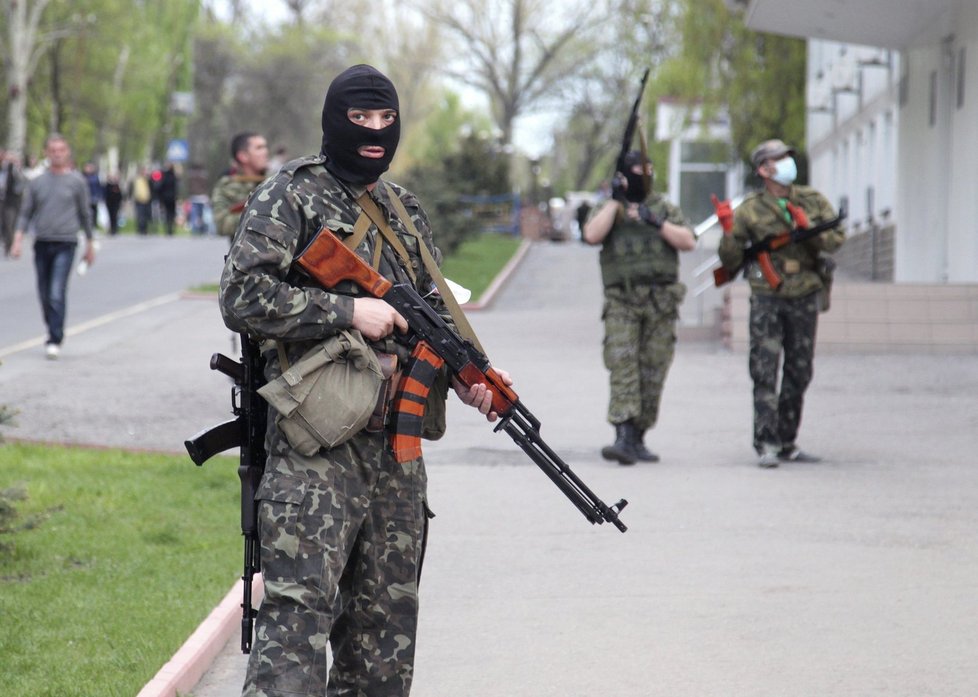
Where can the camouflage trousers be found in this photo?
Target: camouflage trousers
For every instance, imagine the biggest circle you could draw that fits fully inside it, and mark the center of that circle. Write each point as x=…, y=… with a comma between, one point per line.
x=639, y=344
x=342, y=537
x=780, y=326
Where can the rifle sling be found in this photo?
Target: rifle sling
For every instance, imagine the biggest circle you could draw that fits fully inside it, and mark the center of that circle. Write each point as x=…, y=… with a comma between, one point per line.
x=370, y=208
x=461, y=321
x=371, y=213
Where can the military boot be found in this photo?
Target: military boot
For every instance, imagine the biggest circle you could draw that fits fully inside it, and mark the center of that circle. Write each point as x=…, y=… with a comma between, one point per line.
x=638, y=446
x=621, y=449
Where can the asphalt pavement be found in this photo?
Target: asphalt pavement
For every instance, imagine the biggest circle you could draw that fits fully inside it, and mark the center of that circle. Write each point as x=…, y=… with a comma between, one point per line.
x=854, y=576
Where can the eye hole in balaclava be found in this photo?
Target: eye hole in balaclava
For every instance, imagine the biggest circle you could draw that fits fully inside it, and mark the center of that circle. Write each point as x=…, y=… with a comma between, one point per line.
x=636, y=182
x=360, y=87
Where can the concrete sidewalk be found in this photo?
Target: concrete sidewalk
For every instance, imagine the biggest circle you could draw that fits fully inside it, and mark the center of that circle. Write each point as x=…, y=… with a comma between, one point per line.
x=855, y=576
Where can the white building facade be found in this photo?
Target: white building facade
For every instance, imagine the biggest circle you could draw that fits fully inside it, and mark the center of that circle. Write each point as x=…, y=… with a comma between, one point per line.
x=892, y=122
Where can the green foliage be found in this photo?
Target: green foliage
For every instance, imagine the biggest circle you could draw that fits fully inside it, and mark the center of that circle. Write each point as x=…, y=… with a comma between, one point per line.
x=271, y=83
x=6, y=417
x=475, y=168
x=136, y=552
x=106, y=78
x=8, y=512
x=439, y=134
x=699, y=52
x=759, y=79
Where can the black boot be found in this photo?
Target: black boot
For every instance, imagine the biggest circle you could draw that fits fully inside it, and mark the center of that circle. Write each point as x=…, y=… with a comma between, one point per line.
x=621, y=450
x=638, y=447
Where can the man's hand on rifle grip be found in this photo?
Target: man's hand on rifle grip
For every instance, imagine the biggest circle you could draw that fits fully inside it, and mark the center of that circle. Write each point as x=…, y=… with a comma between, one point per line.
x=375, y=319
x=724, y=213
x=479, y=395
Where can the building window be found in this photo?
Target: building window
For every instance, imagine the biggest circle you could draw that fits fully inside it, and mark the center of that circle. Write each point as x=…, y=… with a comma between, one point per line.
x=960, y=77
x=932, y=119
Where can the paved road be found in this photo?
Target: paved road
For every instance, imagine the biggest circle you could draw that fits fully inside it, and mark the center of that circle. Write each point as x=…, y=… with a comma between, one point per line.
x=856, y=576
x=128, y=270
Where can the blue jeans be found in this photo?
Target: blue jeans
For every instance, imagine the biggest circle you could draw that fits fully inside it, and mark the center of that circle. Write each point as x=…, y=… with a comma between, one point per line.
x=53, y=260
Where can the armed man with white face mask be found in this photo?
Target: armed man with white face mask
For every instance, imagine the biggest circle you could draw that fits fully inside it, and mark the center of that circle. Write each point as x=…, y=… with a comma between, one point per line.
x=784, y=296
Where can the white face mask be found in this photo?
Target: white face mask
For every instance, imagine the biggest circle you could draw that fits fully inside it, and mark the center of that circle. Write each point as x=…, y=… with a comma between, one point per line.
x=785, y=171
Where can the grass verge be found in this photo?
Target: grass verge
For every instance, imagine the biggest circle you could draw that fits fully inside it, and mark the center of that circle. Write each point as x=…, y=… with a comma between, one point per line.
x=479, y=260
x=134, y=551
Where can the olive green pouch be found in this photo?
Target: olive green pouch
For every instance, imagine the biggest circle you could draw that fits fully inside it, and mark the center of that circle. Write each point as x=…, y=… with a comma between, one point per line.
x=328, y=395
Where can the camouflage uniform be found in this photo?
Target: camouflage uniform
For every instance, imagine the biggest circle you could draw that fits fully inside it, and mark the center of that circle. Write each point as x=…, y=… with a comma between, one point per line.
x=783, y=319
x=230, y=191
x=342, y=531
x=642, y=294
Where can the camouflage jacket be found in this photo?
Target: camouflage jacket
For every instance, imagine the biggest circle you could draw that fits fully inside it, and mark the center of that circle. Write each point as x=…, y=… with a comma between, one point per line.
x=264, y=295
x=228, y=200
x=635, y=253
x=761, y=215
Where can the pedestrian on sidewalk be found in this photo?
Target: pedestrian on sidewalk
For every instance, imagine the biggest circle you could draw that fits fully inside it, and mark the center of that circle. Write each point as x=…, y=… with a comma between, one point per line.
x=11, y=193
x=342, y=529
x=166, y=192
x=783, y=318
x=55, y=207
x=141, y=195
x=96, y=190
x=113, y=202
x=641, y=235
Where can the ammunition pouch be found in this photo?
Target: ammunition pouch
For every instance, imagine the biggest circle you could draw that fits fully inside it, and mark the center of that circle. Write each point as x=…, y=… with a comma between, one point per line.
x=390, y=369
x=328, y=395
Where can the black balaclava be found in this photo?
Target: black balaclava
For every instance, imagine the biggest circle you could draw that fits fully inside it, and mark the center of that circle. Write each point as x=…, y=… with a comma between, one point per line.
x=362, y=87
x=636, y=182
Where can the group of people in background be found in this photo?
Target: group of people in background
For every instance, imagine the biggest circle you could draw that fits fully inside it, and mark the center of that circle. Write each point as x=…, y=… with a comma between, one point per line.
x=55, y=203
x=152, y=196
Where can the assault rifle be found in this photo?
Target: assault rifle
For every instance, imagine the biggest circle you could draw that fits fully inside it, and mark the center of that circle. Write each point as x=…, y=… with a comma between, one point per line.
x=246, y=431
x=434, y=343
x=761, y=251
x=630, y=128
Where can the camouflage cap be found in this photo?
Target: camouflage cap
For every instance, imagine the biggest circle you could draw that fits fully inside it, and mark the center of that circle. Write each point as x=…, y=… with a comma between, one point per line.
x=770, y=150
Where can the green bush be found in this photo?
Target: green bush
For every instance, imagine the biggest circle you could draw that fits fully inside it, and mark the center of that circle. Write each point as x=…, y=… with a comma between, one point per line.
x=474, y=169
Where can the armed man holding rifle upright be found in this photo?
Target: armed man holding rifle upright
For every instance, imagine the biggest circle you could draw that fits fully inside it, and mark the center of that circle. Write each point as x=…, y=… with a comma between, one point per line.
x=640, y=234
x=780, y=232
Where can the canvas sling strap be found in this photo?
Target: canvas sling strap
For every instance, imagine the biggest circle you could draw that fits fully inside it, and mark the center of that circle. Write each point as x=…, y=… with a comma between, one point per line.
x=371, y=213
x=371, y=209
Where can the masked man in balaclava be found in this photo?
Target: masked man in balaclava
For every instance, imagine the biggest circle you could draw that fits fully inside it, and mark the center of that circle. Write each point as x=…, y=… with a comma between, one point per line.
x=342, y=527
x=641, y=235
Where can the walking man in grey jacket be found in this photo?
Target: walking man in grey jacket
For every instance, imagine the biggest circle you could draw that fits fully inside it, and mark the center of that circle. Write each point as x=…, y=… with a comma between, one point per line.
x=55, y=207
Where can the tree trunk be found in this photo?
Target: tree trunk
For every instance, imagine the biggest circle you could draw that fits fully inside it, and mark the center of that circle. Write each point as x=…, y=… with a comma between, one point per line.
x=22, y=22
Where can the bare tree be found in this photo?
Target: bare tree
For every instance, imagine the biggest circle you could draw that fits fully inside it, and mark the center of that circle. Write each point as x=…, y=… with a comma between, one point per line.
x=516, y=52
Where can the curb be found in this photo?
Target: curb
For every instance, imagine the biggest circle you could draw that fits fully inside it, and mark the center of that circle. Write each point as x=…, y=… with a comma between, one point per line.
x=501, y=278
x=195, y=657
